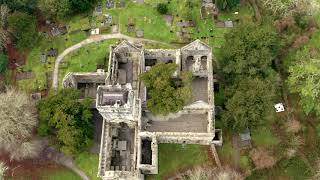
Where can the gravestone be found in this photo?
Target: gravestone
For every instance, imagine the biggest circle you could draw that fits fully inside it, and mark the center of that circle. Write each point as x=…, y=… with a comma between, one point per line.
x=140, y=33
x=114, y=29
x=131, y=25
x=108, y=19
x=228, y=24
x=43, y=58
x=98, y=9
x=109, y=4
x=52, y=52
x=168, y=19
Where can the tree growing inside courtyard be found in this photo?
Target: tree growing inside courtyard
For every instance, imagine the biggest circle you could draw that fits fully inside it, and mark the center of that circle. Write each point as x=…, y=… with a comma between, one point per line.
x=69, y=119
x=250, y=105
x=250, y=49
x=166, y=93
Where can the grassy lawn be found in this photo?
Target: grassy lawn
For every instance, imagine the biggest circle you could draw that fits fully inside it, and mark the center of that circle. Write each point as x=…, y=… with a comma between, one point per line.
x=264, y=137
x=59, y=175
x=294, y=168
x=173, y=157
x=144, y=17
x=39, y=69
x=88, y=163
x=86, y=58
x=44, y=173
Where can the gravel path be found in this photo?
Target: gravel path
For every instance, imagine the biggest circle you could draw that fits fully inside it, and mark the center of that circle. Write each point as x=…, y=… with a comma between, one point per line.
x=89, y=40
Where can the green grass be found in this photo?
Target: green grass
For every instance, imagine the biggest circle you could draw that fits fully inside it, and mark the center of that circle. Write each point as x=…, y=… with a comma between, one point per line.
x=88, y=163
x=86, y=58
x=173, y=157
x=245, y=163
x=145, y=17
x=59, y=175
x=294, y=169
x=264, y=137
x=226, y=151
x=34, y=65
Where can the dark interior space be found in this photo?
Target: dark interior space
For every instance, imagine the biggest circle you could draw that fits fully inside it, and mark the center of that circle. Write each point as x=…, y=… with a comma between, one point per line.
x=216, y=136
x=146, y=152
x=216, y=87
x=150, y=62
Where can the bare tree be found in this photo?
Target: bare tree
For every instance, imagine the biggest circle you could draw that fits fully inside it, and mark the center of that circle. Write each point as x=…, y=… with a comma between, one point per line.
x=290, y=7
x=3, y=169
x=4, y=34
x=26, y=150
x=17, y=119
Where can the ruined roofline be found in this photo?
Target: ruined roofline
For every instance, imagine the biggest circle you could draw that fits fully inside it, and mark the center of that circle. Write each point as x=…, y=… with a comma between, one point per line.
x=194, y=42
x=125, y=43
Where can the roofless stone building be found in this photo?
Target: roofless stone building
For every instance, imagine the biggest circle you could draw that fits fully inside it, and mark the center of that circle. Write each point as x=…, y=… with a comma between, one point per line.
x=130, y=133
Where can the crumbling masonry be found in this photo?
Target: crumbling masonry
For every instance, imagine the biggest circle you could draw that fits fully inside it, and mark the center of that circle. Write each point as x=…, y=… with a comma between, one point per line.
x=130, y=133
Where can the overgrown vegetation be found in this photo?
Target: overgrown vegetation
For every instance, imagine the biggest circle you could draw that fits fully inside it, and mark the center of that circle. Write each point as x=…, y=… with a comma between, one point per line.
x=166, y=93
x=67, y=118
x=246, y=66
x=251, y=50
x=250, y=105
x=173, y=157
x=65, y=8
x=162, y=8
x=23, y=29
x=3, y=63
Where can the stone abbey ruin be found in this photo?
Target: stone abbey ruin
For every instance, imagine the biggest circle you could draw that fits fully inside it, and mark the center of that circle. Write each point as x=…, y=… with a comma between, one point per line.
x=130, y=133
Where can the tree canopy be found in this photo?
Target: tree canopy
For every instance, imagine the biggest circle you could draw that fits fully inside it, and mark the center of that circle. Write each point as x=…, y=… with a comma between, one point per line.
x=227, y=4
x=304, y=79
x=63, y=8
x=68, y=118
x=23, y=29
x=165, y=93
x=26, y=6
x=249, y=51
x=250, y=104
x=55, y=8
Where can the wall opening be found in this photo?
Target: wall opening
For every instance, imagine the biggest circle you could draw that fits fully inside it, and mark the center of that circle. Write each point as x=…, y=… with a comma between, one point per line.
x=146, y=152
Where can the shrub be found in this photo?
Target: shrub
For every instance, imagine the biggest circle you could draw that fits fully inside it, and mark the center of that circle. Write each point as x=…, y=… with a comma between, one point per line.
x=162, y=8
x=3, y=62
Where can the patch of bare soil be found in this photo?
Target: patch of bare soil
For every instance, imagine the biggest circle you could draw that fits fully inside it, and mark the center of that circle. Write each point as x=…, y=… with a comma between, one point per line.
x=30, y=169
x=262, y=158
x=300, y=41
x=293, y=126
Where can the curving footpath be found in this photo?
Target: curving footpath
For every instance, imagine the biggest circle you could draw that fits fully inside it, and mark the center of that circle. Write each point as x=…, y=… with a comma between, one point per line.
x=89, y=40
